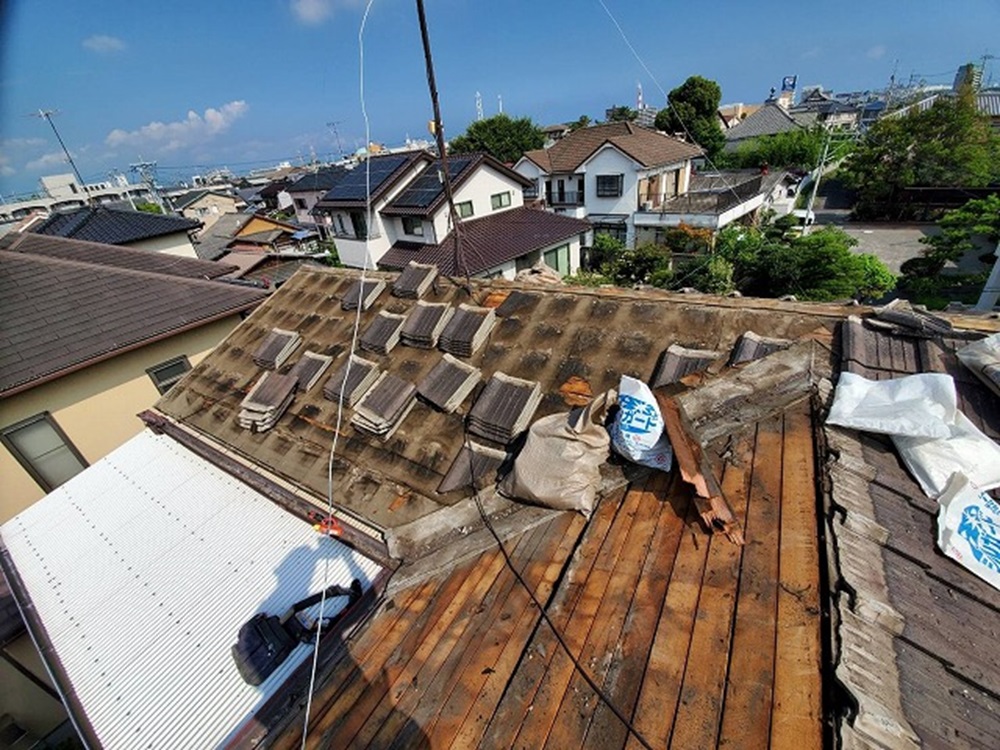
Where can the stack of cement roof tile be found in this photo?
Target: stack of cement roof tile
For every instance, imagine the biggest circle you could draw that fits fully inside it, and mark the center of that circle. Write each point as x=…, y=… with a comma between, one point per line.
x=476, y=465
x=425, y=322
x=677, y=362
x=448, y=384
x=267, y=401
x=353, y=378
x=467, y=330
x=309, y=369
x=415, y=279
x=383, y=333
x=504, y=408
x=385, y=406
x=362, y=294
x=276, y=348
x=751, y=347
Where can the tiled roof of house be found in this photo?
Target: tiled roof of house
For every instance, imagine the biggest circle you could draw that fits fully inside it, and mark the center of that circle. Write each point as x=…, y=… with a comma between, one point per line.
x=490, y=241
x=320, y=180
x=61, y=314
x=768, y=120
x=213, y=243
x=273, y=188
x=182, y=201
x=648, y=147
x=114, y=256
x=112, y=226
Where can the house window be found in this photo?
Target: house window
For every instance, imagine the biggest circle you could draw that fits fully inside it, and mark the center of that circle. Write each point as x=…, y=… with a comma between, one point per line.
x=558, y=259
x=167, y=373
x=413, y=225
x=43, y=450
x=301, y=204
x=610, y=185
x=500, y=200
x=341, y=229
x=464, y=209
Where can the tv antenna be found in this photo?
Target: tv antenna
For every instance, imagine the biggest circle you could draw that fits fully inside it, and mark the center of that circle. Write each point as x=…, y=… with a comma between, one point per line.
x=46, y=114
x=336, y=135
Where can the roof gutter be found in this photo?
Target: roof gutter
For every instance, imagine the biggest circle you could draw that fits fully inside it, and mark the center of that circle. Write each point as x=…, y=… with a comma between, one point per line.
x=123, y=350
x=50, y=659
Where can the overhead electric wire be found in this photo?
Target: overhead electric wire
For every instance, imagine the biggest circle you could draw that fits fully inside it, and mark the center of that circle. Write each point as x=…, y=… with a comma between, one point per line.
x=350, y=355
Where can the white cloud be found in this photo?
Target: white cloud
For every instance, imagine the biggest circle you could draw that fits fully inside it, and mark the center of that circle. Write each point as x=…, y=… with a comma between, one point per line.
x=811, y=53
x=876, y=52
x=170, y=136
x=21, y=142
x=104, y=44
x=316, y=11
x=47, y=161
x=6, y=170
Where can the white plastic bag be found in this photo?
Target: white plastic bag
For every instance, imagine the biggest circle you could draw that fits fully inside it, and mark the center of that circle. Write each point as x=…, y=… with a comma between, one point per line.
x=969, y=529
x=637, y=432
x=983, y=358
x=916, y=405
x=932, y=461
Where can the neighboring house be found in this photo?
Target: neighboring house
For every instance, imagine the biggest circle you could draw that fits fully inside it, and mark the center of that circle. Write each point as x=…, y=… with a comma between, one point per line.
x=769, y=119
x=91, y=333
x=837, y=623
x=274, y=197
x=205, y=206
x=500, y=245
x=136, y=229
x=829, y=112
x=731, y=115
x=213, y=242
x=307, y=190
x=608, y=174
x=270, y=236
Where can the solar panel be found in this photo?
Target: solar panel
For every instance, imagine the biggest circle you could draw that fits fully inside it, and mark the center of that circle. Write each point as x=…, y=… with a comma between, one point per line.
x=352, y=186
x=428, y=186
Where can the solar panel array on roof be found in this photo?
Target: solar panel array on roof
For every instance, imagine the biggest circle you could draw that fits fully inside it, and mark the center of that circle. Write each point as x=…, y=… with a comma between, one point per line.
x=353, y=379
x=382, y=334
x=504, y=408
x=309, y=369
x=276, y=348
x=267, y=401
x=449, y=383
x=476, y=465
x=429, y=184
x=385, y=406
x=677, y=362
x=362, y=294
x=467, y=330
x=751, y=347
x=424, y=325
x=414, y=280
x=353, y=185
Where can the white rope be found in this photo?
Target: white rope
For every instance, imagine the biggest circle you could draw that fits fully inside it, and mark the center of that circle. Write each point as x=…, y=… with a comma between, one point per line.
x=347, y=372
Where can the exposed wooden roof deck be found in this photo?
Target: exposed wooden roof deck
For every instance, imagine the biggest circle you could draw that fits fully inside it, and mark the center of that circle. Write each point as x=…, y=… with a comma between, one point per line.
x=699, y=642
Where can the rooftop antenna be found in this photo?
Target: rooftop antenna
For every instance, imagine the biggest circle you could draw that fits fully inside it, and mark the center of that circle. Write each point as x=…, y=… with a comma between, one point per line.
x=46, y=114
x=479, y=106
x=336, y=134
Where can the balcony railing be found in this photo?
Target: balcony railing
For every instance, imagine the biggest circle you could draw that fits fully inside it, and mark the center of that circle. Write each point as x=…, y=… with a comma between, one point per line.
x=565, y=198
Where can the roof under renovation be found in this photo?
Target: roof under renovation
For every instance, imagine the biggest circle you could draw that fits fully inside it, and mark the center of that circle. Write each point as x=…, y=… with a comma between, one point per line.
x=825, y=615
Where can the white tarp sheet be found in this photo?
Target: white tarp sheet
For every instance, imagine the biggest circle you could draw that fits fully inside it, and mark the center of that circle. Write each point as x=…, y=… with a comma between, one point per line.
x=969, y=529
x=915, y=405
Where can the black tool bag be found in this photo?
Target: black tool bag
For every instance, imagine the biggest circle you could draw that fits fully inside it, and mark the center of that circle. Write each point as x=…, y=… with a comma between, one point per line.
x=265, y=641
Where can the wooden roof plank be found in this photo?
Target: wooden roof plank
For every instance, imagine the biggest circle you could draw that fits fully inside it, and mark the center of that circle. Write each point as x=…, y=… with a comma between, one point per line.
x=626, y=677
x=492, y=652
x=797, y=718
x=601, y=650
x=700, y=709
x=437, y=671
x=746, y=719
x=538, y=722
x=520, y=695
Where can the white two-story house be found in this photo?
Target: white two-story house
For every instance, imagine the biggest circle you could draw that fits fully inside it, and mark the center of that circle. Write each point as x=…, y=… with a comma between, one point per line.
x=613, y=174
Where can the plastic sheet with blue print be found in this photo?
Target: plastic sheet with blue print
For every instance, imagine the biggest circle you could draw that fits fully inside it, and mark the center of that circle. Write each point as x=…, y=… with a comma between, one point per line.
x=637, y=432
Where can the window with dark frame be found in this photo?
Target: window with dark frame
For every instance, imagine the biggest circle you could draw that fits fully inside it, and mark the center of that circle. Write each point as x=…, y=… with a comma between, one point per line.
x=500, y=200
x=413, y=225
x=165, y=374
x=301, y=204
x=610, y=185
x=464, y=209
x=43, y=450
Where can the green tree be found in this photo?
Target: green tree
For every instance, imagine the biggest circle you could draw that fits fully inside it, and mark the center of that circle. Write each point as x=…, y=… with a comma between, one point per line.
x=501, y=136
x=621, y=113
x=641, y=265
x=148, y=207
x=583, y=121
x=694, y=109
x=795, y=149
x=950, y=144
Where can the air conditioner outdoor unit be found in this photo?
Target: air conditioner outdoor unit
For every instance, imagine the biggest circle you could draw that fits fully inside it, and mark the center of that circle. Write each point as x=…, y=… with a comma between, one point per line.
x=647, y=205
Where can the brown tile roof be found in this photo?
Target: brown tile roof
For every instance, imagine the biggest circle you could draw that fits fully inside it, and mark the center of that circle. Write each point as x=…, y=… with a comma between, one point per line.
x=61, y=314
x=114, y=256
x=491, y=240
x=648, y=147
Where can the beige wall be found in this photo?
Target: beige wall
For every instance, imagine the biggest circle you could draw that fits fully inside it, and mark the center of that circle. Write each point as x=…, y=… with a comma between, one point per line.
x=177, y=243
x=209, y=208
x=97, y=406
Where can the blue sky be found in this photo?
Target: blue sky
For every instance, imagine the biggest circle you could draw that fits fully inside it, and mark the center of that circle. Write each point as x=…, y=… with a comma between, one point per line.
x=246, y=84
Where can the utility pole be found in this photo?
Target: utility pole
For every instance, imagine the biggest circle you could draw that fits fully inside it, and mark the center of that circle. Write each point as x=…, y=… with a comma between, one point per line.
x=46, y=114
x=815, y=185
x=147, y=174
x=479, y=106
x=336, y=134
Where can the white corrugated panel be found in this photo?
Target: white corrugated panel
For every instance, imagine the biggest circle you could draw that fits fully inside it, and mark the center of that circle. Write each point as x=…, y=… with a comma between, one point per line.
x=143, y=568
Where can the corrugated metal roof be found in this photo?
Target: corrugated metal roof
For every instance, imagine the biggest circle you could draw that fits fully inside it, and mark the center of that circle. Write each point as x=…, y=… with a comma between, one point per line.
x=143, y=568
